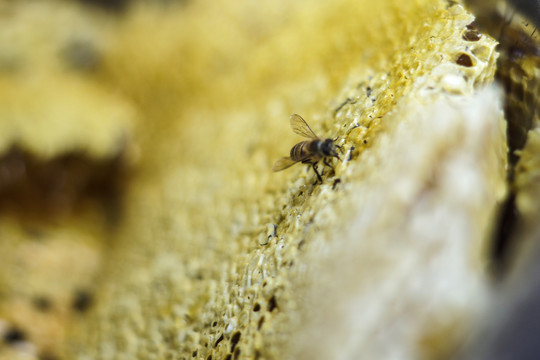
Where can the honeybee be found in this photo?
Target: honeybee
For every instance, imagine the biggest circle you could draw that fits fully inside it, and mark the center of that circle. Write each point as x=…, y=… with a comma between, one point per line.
x=308, y=151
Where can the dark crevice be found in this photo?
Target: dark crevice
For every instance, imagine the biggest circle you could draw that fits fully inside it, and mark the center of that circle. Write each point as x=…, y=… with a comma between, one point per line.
x=13, y=336
x=220, y=339
x=502, y=245
x=234, y=340
x=37, y=188
x=82, y=300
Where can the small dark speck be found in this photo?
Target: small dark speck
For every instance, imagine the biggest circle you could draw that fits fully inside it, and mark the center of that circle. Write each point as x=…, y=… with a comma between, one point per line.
x=82, y=301
x=351, y=153
x=256, y=307
x=194, y=354
x=13, y=336
x=464, y=60
x=228, y=357
x=42, y=303
x=272, y=304
x=368, y=91
x=214, y=323
x=336, y=182
x=220, y=339
x=168, y=338
x=209, y=357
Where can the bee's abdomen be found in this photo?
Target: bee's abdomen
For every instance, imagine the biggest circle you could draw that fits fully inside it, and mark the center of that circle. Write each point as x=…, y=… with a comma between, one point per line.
x=306, y=151
x=300, y=151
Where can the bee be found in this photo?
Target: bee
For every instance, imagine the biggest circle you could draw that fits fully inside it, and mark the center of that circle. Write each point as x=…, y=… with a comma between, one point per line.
x=308, y=151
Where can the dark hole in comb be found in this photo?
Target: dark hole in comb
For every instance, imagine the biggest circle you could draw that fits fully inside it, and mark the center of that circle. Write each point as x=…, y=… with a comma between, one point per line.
x=14, y=335
x=42, y=303
x=82, y=300
x=234, y=340
x=237, y=353
x=220, y=339
x=272, y=304
x=260, y=323
x=472, y=35
x=464, y=60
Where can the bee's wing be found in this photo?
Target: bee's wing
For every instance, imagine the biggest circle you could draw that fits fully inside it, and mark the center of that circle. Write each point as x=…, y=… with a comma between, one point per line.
x=300, y=127
x=283, y=163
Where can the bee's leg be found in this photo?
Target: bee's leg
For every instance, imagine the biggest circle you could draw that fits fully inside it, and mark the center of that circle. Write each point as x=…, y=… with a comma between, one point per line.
x=328, y=164
x=314, y=165
x=340, y=147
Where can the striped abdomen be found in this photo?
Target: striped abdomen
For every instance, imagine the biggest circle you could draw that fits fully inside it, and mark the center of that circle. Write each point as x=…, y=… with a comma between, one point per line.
x=307, y=151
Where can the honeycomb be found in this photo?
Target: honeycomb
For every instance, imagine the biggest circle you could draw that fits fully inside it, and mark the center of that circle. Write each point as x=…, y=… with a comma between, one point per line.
x=214, y=256
x=257, y=273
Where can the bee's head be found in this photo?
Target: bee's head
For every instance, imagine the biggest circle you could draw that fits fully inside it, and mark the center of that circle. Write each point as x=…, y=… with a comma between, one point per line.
x=329, y=148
